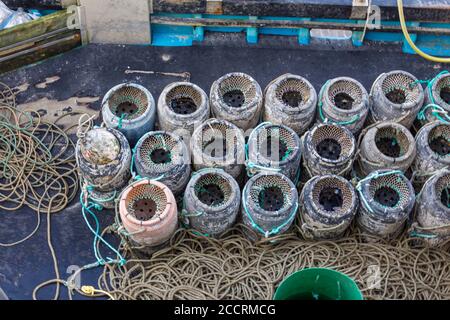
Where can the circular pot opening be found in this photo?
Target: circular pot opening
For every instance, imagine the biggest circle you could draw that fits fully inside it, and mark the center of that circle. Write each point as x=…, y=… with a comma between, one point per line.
x=212, y=189
x=343, y=101
x=234, y=98
x=329, y=149
x=144, y=209
x=439, y=140
x=271, y=198
x=128, y=102
x=387, y=196
x=145, y=201
x=332, y=142
x=344, y=94
x=161, y=156
x=275, y=143
x=237, y=90
x=183, y=99
x=292, y=92
x=126, y=108
x=211, y=194
x=391, y=142
x=442, y=189
x=159, y=151
x=331, y=198
x=397, y=96
x=399, y=88
x=292, y=98
x=183, y=105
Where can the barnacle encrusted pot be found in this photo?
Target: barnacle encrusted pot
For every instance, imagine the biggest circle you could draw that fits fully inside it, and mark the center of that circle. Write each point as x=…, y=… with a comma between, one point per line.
x=386, y=200
x=432, y=221
x=269, y=205
x=104, y=157
x=163, y=156
x=274, y=148
x=237, y=98
x=396, y=96
x=344, y=101
x=129, y=108
x=211, y=202
x=328, y=149
x=437, y=93
x=433, y=151
x=182, y=106
x=148, y=212
x=387, y=145
x=327, y=205
x=218, y=143
x=290, y=100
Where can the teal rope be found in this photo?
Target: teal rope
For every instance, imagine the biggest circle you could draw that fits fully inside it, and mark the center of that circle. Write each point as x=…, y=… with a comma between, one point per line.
x=122, y=117
x=436, y=109
x=96, y=232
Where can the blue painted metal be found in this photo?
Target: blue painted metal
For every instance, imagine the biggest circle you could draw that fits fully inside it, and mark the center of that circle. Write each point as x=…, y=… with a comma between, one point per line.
x=252, y=33
x=164, y=35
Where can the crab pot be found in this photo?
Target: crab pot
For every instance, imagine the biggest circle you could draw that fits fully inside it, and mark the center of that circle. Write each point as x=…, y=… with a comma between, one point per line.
x=104, y=156
x=438, y=93
x=328, y=149
x=148, y=212
x=396, y=96
x=218, y=144
x=388, y=145
x=327, y=206
x=386, y=200
x=433, y=151
x=273, y=147
x=129, y=108
x=433, y=210
x=344, y=101
x=211, y=202
x=290, y=100
x=182, y=106
x=269, y=205
x=237, y=98
x=164, y=156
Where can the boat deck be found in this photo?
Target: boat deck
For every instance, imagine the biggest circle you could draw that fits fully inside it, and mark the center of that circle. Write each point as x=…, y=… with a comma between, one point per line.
x=82, y=76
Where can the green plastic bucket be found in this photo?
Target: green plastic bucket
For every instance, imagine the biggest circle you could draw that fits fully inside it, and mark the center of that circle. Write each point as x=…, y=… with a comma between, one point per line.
x=318, y=284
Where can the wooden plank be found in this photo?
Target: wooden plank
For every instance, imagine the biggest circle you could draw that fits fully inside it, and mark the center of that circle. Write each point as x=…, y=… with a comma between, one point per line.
x=51, y=22
x=40, y=52
x=258, y=23
x=419, y=10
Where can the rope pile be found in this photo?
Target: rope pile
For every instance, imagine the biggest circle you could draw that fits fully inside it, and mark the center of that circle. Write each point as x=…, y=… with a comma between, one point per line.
x=197, y=267
x=36, y=160
x=37, y=165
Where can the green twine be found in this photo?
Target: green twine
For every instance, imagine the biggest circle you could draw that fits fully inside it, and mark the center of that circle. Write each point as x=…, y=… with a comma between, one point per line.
x=437, y=110
x=275, y=230
x=373, y=175
x=97, y=236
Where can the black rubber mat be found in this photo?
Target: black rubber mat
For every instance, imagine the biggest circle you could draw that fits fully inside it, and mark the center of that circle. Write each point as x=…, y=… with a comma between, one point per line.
x=92, y=70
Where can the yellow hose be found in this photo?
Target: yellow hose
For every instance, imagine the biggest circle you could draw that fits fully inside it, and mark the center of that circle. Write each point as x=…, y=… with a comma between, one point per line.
x=411, y=43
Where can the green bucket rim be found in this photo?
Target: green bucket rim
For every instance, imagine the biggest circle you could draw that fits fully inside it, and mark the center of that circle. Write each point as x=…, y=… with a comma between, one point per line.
x=356, y=291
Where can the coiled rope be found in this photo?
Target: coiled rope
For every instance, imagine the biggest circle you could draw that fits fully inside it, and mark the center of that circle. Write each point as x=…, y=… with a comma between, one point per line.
x=196, y=267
